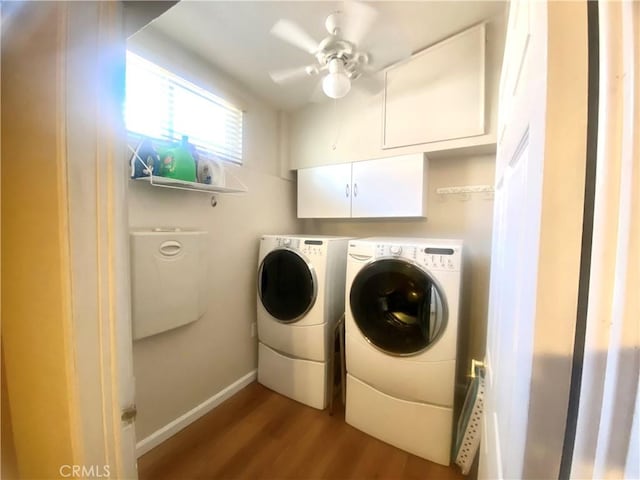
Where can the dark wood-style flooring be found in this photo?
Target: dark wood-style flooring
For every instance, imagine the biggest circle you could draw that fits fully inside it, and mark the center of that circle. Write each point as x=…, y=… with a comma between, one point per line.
x=259, y=434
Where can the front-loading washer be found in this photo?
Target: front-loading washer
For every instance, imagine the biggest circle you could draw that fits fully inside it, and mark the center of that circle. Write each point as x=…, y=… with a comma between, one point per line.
x=402, y=308
x=301, y=285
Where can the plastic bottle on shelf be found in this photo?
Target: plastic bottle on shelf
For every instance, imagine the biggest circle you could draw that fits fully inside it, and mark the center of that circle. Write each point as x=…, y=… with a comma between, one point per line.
x=145, y=161
x=211, y=172
x=178, y=162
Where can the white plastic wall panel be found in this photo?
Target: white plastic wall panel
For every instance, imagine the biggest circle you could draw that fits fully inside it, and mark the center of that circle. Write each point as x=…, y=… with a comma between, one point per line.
x=168, y=280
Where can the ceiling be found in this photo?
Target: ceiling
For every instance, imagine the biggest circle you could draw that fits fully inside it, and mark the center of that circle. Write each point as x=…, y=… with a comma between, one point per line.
x=234, y=35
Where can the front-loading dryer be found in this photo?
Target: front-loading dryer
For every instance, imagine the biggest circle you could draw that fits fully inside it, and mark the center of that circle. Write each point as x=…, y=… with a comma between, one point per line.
x=301, y=284
x=402, y=309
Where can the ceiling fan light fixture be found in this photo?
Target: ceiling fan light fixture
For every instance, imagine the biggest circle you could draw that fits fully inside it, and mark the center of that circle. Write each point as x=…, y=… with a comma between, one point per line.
x=336, y=83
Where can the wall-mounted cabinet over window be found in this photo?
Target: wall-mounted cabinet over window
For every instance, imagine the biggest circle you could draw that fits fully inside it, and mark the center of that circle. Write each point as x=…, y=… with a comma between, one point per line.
x=386, y=187
x=438, y=94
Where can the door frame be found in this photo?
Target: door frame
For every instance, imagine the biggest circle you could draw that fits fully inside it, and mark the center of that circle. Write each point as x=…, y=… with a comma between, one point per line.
x=69, y=194
x=603, y=435
x=96, y=178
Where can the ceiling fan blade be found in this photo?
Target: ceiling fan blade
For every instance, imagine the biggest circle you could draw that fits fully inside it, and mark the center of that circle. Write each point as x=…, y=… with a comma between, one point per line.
x=358, y=21
x=288, y=75
x=317, y=96
x=293, y=34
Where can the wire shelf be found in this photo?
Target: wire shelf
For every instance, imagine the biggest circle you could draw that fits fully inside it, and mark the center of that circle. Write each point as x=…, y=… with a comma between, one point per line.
x=167, y=182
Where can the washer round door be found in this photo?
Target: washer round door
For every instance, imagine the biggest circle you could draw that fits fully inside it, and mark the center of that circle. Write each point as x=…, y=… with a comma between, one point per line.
x=287, y=285
x=398, y=306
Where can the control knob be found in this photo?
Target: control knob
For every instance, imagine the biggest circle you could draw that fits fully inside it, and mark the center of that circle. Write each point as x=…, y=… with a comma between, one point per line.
x=395, y=250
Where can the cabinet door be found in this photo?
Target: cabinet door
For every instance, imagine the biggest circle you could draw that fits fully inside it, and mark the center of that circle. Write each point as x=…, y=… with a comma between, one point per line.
x=324, y=192
x=389, y=187
x=438, y=94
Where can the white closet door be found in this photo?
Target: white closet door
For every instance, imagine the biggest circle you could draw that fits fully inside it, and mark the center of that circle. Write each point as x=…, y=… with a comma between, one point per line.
x=535, y=258
x=325, y=192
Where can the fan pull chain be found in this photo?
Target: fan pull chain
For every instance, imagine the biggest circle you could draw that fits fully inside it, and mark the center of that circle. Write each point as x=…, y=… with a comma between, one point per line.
x=338, y=124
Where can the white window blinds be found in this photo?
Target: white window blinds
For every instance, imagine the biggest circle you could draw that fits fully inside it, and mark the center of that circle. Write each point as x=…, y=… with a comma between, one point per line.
x=163, y=106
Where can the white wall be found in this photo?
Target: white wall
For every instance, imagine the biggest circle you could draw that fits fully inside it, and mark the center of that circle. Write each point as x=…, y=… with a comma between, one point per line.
x=178, y=370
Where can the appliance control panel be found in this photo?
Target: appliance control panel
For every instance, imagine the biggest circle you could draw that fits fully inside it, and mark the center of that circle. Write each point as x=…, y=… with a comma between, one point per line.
x=433, y=258
x=309, y=247
x=311, y=251
x=288, y=242
x=440, y=258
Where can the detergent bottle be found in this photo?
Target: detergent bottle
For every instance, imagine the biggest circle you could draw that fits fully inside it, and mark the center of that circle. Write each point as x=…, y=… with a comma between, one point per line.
x=145, y=160
x=178, y=162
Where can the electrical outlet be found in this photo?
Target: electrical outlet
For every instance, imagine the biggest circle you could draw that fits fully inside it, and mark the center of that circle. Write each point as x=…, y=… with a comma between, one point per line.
x=254, y=329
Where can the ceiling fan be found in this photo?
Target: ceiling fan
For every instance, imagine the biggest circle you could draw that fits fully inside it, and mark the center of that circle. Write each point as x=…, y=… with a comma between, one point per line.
x=340, y=57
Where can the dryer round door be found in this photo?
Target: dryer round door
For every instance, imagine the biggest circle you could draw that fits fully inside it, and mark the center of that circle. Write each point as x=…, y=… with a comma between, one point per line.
x=287, y=285
x=398, y=306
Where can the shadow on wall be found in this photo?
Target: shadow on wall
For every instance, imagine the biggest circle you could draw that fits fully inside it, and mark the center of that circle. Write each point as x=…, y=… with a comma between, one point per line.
x=138, y=14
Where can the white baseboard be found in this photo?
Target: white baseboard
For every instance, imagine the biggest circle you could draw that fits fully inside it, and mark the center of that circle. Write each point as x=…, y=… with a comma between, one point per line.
x=170, y=429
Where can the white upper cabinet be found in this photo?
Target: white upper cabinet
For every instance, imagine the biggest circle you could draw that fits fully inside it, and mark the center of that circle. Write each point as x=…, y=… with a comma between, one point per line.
x=325, y=192
x=386, y=187
x=438, y=94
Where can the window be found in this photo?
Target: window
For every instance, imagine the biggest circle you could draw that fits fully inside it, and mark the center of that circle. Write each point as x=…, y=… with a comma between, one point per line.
x=163, y=106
